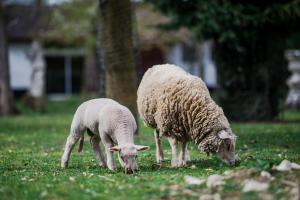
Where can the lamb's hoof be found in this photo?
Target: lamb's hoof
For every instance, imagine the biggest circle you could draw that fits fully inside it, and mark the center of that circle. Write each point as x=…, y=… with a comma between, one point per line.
x=159, y=160
x=64, y=165
x=182, y=164
x=112, y=169
x=175, y=163
x=102, y=165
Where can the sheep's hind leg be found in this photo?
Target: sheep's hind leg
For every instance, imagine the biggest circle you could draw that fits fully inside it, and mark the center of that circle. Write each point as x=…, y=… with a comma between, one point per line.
x=159, y=150
x=95, y=140
x=173, y=143
x=74, y=136
x=184, y=154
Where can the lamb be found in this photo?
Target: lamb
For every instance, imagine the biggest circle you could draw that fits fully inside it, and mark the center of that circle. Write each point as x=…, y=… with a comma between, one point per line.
x=178, y=105
x=107, y=121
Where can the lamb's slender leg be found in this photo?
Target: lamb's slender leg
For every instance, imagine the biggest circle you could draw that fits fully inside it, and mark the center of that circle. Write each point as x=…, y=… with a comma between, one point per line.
x=159, y=150
x=95, y=140
x=183, y=154
x=74, y=136
x=121, y=161
x=173, y=143
x=109, y=154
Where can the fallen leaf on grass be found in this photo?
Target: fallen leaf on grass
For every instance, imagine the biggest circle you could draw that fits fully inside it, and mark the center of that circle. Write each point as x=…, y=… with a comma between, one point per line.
x=44, y=194
x=210, y=197
x=228, y=172
x=190, y=180
x=284, y=166
x=193, y=167
x=214, y=181
x=72, y=178
x=289, y=183
x=253, y=141
x=252, y=185
x=266, y=176
x=174, y=189
x=106, y=178
x=295, y=166
x=295, y=194
x=287, y=165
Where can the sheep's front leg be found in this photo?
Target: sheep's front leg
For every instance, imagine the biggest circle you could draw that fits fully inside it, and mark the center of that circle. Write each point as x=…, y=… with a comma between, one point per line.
x=159, y=150
x=109, y=154
x=173, y=143
x=95, y=140
x=71, y=141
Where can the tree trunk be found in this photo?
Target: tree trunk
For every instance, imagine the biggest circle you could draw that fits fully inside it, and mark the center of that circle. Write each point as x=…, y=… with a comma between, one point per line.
x=117, y=43
x=36, y=95
x=7, y=106
x=99, y=54
x=136, y=46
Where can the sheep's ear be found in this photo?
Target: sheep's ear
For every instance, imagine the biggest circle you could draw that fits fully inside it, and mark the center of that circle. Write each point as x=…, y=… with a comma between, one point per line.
x=225, y=135
x=141, y=147
x=115, y=148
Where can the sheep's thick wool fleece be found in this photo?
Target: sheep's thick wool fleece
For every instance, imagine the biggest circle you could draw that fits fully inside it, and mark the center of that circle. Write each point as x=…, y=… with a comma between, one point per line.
x=179, y=104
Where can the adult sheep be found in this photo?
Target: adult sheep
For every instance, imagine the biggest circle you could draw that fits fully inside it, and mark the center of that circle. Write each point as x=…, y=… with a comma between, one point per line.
x=178, y=105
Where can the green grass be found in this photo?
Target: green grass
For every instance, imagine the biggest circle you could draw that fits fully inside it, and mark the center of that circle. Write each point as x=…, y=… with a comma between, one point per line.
x=31, y=146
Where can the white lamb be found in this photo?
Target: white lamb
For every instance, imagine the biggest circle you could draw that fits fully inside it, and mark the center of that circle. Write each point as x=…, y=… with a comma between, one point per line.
x=178, y=106
x=107, y=121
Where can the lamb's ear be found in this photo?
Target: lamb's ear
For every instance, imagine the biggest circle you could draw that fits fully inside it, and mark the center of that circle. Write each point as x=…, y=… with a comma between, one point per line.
x=141, y=147
x=225, y=135
x=115, y=148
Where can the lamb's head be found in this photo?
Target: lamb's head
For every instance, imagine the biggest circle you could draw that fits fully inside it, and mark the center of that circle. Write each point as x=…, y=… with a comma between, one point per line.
x=128, y=156
x=226, y=149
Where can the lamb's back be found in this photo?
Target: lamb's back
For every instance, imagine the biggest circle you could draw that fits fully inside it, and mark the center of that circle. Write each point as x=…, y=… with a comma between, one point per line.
x=87, y=114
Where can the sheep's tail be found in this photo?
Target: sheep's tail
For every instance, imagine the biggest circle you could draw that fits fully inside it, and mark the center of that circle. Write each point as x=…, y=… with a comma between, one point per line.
x=81, y=140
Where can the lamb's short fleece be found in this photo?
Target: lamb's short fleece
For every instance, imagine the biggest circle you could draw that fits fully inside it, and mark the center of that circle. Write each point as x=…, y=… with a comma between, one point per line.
x=110, y=122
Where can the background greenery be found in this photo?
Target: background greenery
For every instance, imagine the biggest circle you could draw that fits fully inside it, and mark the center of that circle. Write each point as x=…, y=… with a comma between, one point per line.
x=250, y=39
x=31, y=146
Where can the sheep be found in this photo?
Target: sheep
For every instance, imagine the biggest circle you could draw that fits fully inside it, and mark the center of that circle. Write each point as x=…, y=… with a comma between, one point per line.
x=178, y=105
x=107, y=121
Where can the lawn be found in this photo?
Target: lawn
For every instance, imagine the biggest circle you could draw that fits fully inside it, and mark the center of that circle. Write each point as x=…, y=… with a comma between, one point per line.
x=31, y=146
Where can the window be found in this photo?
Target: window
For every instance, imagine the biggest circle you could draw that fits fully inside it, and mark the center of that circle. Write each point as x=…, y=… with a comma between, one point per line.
x=64, y=74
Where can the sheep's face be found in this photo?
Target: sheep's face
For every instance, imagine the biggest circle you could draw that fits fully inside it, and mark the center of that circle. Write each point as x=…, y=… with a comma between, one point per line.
x=128, y=156
x=226, y=150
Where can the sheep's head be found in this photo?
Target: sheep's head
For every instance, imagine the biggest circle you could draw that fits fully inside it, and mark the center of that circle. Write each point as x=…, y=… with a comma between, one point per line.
x=128, y=156
x=226, y=149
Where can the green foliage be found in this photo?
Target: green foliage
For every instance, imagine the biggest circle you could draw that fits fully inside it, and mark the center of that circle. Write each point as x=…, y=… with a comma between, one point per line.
x=31, y=147
x=263, y=165
x=250, y=38
x=227, y=20
x=72, y=24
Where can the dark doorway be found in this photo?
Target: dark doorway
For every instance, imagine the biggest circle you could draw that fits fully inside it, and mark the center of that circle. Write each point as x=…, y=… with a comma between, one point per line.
x=64, y=74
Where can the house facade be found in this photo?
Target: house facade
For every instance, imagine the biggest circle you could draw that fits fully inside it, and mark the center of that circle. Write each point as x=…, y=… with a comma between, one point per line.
x=65, y=66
